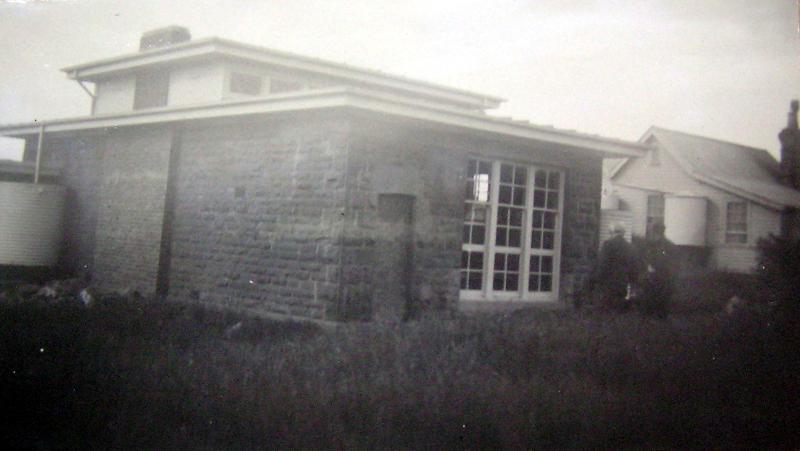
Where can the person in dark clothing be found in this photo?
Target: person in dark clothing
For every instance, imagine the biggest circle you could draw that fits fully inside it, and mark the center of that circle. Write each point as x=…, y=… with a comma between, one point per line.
x=659, y=284
x=616, y=271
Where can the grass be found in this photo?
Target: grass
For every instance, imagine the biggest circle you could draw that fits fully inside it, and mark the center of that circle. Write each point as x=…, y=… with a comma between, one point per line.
x=152, y=375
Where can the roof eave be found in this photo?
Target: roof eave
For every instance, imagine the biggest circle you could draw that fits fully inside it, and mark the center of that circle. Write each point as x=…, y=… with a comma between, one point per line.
x=339, y=97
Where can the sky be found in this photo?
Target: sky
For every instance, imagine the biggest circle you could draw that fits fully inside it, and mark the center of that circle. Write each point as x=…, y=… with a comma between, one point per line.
x=725, y=69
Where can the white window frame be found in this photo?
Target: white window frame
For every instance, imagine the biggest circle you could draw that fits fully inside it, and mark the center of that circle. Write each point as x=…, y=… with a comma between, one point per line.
x=489, y=248
x=729, y=232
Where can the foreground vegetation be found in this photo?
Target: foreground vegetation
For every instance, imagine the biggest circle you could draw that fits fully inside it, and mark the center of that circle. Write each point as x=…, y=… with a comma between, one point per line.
x=135, y=373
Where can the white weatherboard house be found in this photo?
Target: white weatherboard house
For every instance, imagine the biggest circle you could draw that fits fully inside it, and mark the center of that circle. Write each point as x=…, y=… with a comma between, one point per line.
x=713, y=196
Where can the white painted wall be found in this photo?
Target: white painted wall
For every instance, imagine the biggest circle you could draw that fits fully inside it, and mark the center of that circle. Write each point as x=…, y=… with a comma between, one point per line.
x=638, y=179
x=198, y=83
x=115, y=95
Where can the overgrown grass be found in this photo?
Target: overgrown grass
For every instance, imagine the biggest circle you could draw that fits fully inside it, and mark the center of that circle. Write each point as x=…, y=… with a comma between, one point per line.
x=148, y=375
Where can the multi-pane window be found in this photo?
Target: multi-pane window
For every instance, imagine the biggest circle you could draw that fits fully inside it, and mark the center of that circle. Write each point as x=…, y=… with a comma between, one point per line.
x=476, y=221
x=544, y=229
x=655, y=214
x=511, y=231
x=736, y=222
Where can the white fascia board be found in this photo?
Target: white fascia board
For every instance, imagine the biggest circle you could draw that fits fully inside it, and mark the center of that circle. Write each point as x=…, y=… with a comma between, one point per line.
x=769, y=203
x=273, y=104
x=333, y=98
x=484, y=123
x=99, y=69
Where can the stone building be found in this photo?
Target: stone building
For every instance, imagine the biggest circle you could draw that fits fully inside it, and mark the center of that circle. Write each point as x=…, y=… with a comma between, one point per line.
x=239, y=176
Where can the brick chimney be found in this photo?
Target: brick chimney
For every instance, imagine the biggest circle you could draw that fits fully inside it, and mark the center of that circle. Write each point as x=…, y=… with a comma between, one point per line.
x=790, y=149
x=162, y=37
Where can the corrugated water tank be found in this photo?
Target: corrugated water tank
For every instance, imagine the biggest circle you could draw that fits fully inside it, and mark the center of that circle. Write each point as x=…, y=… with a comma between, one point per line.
x=31, y=219
x=685, y=219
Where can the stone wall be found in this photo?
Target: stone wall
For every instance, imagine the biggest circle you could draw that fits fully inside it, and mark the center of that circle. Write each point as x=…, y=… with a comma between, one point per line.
x=130, y=208
x=431, y=167
x=258, y=215
x=281, y=215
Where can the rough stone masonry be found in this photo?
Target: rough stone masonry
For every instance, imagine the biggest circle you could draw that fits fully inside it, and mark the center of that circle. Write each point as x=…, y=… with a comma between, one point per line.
x=280, y=215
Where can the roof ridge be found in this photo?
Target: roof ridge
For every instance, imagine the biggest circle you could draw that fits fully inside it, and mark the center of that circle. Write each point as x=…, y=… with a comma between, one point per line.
x=707, y=138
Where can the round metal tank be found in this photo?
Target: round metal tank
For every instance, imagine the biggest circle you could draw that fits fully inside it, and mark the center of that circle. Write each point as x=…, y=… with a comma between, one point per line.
x=31, y=219
x=609, y=200
x=685, y=219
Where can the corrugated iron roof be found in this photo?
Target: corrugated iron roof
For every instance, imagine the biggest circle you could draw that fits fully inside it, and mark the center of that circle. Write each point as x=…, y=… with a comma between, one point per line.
x=742, y=170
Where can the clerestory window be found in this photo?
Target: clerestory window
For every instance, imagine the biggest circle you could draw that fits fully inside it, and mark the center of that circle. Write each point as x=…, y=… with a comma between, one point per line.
x=511, y=232
x=151, y=90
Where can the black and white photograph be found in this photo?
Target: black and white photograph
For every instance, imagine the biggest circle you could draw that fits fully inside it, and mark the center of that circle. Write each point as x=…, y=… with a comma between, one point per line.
x=355, y=224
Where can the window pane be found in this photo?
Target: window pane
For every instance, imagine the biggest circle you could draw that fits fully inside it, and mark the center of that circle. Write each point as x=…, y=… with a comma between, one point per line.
x=541, y=178
x=536, y=239
x=520, y=176
x=506, y=173
x=497, y=284
x=479, y=214
x=245, y=83
x=500, y=236
x=480, y=188
x=548, y=240
x=478, y=181
x=476, y=260
x=503, y=214
x=547, y=264
x=538, y=216
x=519, y=196
x=538, y=198
x=465, y=238
x=534, y=266
x=546, y=283
x=552, y=200
x=499, y=262
x=512, y=282
x=475, y=280
x=478, y=234
x=151, y=90
x=514, y=238
x=505, y=195
x=552, y=182
x=533, y=282
x=512, y=262
x=516, y=217
x=549, y=220
x=464, y=259
x=464, y=275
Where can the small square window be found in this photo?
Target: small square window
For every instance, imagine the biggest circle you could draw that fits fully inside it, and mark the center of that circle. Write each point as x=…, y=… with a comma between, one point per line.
x=245, y=84
x=151, y=90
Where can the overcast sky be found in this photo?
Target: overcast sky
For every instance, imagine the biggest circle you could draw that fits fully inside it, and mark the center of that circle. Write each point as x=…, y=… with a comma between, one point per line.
x=720, y=68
